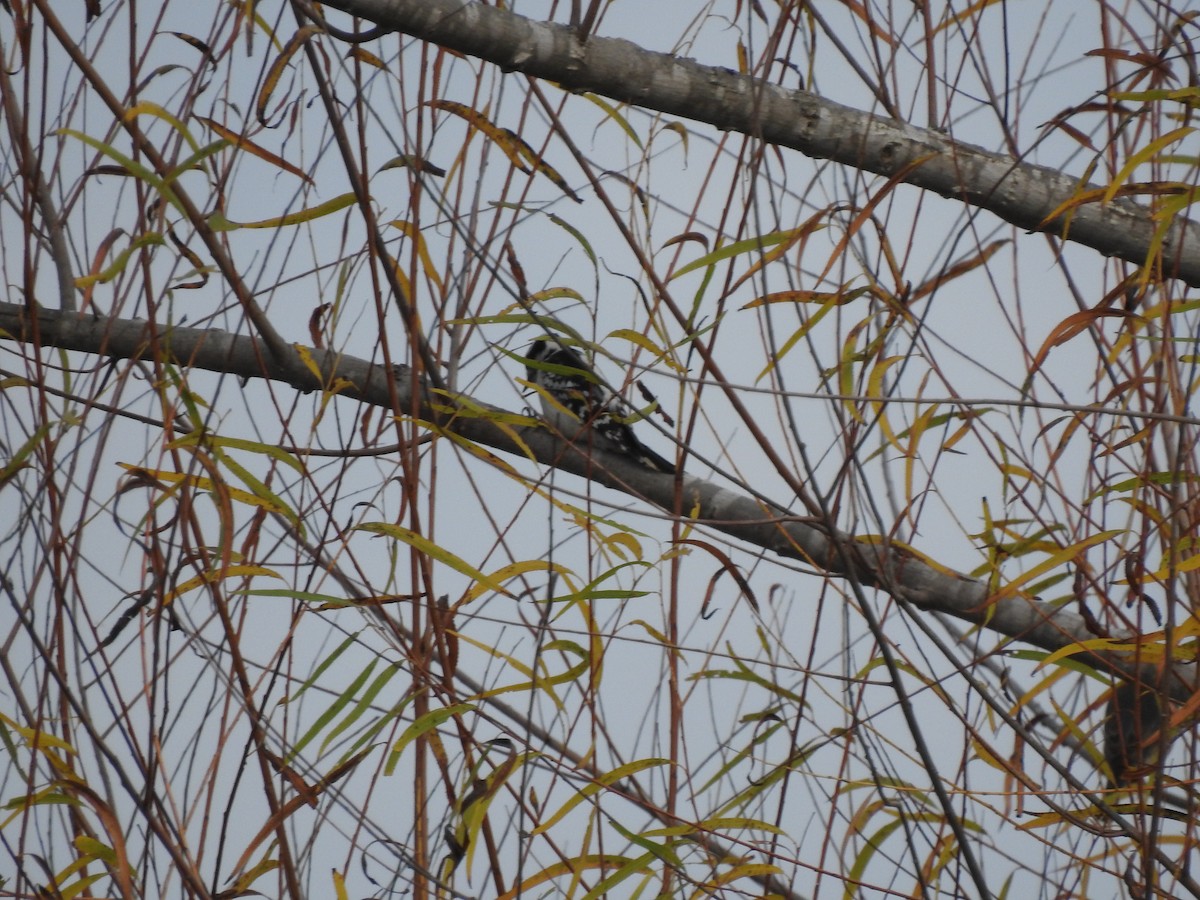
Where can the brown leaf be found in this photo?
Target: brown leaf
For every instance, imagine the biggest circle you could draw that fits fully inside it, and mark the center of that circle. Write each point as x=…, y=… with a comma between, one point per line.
x=277, y=67
x=244, y=143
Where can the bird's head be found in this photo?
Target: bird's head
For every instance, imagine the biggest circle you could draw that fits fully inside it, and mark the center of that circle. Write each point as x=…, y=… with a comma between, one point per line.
x=537, y=353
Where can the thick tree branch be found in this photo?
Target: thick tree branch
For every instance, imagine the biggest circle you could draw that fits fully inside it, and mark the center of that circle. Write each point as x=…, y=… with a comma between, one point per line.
x=895, y=570
x=1023, y=194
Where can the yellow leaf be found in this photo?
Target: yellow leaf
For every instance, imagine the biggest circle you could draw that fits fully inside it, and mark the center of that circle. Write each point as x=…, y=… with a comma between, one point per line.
x=968, y=16
x=598, y=785
x=414, y=234
x=1146, y=153
x=621, y=542
x=1045, y=820
x=835, y=298
x=179, y=479
x=636, y=337
x=611, y=112
x=573, y=867
x=276, y=69
x=218, y=222
x=503, y=139
x=196, y=438
x=513, y=570
x=1065, y=555
x=367, y=58
x=1187, y=565
x=215, y=576
x=746, y=870
x=875, y=389
x=983, y=753
x=40, y=740
x=153, y=109
x=422, y=544
x=131, y=166
x=555, y=293
x=1098, y=645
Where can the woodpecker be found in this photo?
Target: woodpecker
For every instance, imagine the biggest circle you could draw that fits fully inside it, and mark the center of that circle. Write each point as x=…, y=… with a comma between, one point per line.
x=577, y=404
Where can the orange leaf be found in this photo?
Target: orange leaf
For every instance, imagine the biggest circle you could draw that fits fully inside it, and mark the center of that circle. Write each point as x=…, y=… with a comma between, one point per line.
x=959, y=268
x=500, y=137
x=244, y=143
x=1071, y=326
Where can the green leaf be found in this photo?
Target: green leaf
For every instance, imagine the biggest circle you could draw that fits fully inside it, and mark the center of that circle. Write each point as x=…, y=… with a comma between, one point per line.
x=737, y=248
x=598, y=785
x=131, y=166
x=321, y=668
x=363, y=704
x=340, y=702
x=277, y=453
x=664, y=852
x=611, y=112
x=149, y=239
x=433, y=551
x=219, y=222
x=426, y=723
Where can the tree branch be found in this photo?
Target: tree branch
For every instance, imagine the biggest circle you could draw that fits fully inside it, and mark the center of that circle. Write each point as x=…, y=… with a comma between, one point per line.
x=894, y=569
x=1023, y=194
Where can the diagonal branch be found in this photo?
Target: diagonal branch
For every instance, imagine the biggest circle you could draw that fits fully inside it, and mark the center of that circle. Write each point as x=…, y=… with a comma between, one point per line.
x=1018, y=192
x=896, y=570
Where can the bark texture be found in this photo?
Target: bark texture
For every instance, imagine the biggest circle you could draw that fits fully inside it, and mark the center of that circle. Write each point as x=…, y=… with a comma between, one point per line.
x=1023, y=194
x=893, y=569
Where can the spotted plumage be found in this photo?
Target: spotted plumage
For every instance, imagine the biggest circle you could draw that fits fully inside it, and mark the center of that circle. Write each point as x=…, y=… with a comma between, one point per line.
x=577, y=404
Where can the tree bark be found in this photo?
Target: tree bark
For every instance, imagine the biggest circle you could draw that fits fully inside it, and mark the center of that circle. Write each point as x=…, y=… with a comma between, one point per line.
x=1023, y=194
x=892, y=569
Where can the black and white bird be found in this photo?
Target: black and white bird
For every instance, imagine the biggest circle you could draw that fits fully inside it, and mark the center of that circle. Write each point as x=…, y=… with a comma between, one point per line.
x=577, y=404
